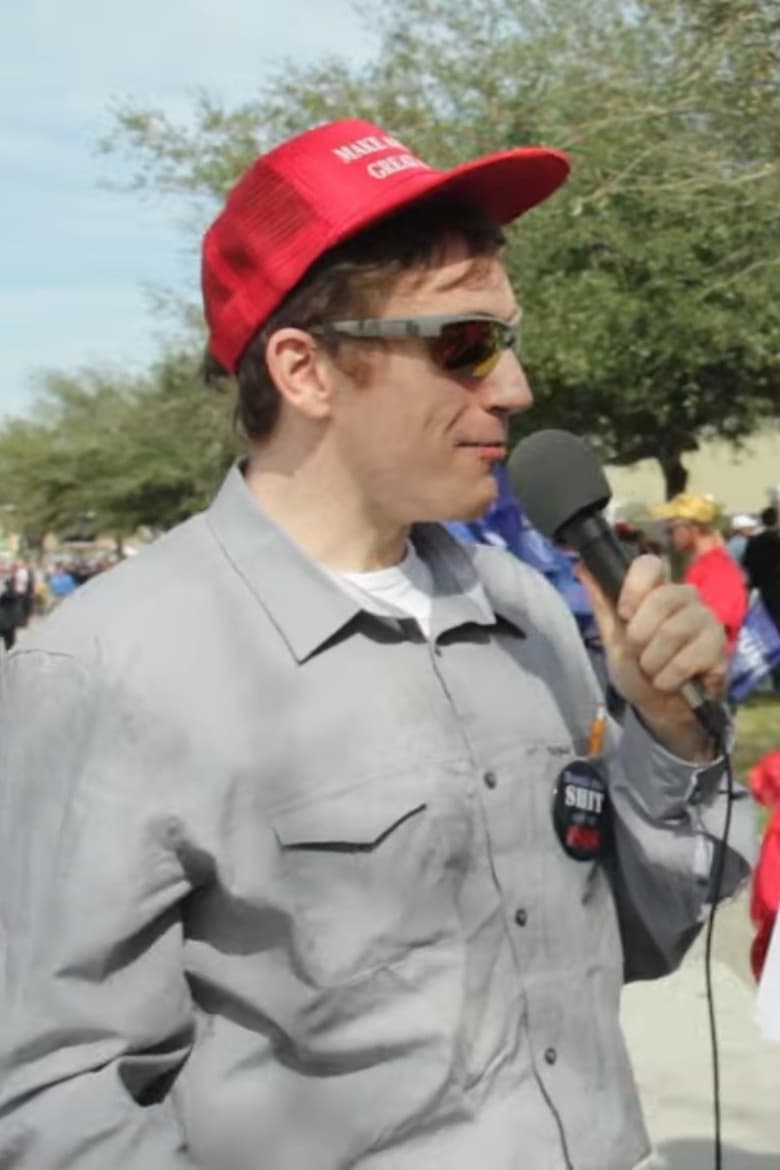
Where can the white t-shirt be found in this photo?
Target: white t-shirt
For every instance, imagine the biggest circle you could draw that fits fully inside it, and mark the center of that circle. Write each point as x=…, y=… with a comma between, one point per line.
x=407, y=586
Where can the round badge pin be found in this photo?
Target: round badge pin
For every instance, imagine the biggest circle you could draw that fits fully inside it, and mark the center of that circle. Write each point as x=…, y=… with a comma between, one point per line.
x=582, y=814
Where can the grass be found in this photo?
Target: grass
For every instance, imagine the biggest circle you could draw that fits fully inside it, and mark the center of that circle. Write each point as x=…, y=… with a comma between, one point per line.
x=758, y=732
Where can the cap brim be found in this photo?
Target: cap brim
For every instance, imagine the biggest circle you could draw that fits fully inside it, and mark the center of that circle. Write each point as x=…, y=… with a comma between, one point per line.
x=511, y=182
x=505, y=185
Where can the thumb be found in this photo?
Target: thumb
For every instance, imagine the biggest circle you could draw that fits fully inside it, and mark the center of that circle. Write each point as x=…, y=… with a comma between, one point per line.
x=603, y=609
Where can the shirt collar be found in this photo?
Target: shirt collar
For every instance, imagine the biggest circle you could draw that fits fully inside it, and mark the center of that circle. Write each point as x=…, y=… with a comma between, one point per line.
x=305, y=604
x=460, y=594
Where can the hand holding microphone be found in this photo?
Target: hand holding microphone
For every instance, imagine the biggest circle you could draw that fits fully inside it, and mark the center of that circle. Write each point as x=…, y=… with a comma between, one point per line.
x=665, y=649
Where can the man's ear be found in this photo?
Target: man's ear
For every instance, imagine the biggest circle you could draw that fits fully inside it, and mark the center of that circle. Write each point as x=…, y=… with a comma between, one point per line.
x=301, y=372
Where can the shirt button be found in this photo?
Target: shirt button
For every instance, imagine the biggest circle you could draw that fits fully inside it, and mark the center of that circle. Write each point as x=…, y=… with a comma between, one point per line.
x=491, y=780
x=521, y=917
x=550, y=1055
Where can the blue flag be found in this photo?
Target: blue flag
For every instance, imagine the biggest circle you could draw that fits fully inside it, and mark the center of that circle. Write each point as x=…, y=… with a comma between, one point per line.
x=757, y=652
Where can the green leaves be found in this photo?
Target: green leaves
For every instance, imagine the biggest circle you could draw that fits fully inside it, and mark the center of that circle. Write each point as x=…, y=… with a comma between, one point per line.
x=124, y=452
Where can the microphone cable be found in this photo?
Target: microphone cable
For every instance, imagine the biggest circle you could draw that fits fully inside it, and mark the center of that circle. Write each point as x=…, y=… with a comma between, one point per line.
x=715, y=892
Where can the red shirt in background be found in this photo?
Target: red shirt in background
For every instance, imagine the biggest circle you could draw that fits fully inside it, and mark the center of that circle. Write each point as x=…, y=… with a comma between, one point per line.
x=722, y=588
x=764, y=781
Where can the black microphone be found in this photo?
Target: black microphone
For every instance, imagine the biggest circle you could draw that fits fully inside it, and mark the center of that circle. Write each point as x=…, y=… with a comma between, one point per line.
x=563, y=489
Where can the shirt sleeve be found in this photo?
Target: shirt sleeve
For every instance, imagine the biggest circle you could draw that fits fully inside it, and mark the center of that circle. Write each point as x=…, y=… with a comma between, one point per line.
x=96, y=1014
x=669, y=820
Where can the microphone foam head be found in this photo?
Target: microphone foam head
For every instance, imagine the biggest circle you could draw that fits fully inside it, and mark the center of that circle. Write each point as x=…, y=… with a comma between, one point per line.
x=556, y=475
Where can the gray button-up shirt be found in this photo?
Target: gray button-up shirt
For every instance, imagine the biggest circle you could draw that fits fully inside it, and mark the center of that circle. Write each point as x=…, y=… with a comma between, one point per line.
x=280, y=886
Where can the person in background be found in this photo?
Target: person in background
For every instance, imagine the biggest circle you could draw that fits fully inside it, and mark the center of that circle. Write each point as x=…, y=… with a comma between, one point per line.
x=10, y=614
x=743, y=526
x=24, y=588
x=690, y=525
x=61, y=584
x=761, y=561
x=764, y=781
x=41, y=597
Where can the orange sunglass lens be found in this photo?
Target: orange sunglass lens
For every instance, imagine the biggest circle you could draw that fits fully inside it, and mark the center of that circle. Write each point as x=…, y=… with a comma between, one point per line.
x=473, y=347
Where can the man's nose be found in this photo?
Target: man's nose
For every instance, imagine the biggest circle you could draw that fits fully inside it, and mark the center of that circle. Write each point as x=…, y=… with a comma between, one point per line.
x=506, y=388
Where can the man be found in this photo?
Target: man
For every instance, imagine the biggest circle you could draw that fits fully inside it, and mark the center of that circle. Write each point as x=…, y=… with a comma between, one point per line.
x=281, y=882
x=710, y=568
x=10, y=612
x=24, y=589
x=761, y=561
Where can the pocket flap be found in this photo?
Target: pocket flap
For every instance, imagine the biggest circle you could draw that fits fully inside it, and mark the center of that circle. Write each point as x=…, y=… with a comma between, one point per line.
x=358, y=818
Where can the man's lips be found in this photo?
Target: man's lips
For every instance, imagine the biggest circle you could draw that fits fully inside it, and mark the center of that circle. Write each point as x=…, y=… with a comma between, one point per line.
x=491, y=446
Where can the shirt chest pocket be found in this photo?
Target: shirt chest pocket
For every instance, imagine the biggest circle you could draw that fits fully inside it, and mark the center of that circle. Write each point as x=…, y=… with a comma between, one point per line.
x=366, y=876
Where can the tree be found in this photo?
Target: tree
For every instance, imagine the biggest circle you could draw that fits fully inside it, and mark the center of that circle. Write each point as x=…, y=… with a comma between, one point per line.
x=651, y=284
x=115, y=452
x=177, y=445
x=47, y=461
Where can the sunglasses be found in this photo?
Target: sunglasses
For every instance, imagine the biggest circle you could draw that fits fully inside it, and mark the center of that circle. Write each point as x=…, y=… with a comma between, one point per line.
x=469, y=346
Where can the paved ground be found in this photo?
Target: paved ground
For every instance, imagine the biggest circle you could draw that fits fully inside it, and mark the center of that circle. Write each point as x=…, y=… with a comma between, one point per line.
x=667, y=1029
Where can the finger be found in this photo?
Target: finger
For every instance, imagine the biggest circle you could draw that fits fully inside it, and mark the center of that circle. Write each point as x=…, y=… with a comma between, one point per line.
x=658, y=607
x=704, y=657
x=670, y=639
x=644, y=575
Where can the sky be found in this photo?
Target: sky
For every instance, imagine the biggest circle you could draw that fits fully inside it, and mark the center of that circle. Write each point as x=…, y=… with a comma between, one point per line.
x=78, y=260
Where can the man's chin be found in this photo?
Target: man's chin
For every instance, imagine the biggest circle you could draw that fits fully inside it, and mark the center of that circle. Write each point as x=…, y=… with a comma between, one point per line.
x=469, y=517
x=475, y=509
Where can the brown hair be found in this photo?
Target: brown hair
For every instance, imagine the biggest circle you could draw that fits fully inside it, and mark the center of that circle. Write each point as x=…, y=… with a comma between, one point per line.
x=353, y=280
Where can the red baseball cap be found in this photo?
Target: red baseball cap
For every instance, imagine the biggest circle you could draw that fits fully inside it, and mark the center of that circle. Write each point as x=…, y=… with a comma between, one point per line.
x=324, y=186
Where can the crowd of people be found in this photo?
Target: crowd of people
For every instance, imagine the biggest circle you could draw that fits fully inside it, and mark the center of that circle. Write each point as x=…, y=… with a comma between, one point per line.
x=29, y=588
